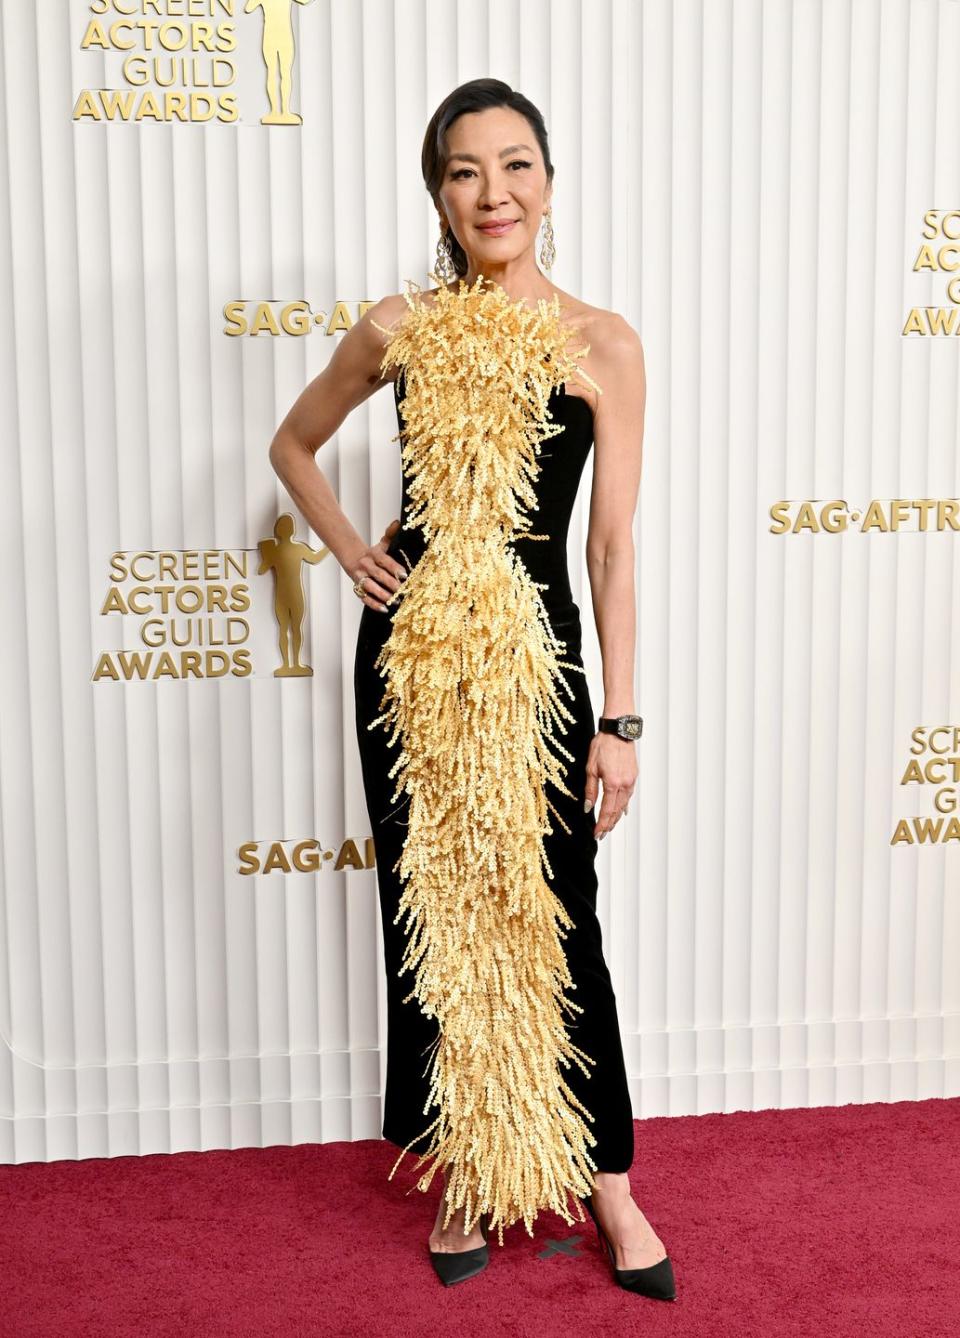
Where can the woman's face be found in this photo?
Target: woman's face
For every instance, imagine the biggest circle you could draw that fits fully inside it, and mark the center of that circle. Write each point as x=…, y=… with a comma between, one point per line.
x=494, y=171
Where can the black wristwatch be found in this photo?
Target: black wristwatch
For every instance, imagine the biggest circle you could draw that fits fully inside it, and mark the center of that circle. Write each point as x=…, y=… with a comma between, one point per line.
x=624, y=726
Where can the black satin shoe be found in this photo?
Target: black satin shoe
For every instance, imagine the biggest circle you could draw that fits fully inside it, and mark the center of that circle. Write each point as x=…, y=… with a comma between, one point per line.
x=657, y=1281
x=453, y=1266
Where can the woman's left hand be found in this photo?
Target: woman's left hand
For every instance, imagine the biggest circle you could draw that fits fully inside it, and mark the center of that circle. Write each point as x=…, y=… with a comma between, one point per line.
x=613, y=761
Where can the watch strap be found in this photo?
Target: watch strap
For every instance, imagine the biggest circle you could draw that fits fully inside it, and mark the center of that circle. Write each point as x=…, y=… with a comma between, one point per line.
x=624, y=726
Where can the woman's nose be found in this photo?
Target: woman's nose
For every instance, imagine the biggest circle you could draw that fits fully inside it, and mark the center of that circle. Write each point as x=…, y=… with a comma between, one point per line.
x=494, y=192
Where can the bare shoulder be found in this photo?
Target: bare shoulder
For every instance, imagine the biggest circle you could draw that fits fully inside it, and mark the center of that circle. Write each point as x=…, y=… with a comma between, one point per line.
x=367, y=340
x=389, y=309
x=621, y=375
x=621, y=342
x=383, y=315
x=380, y=320
x=395, y=305
x=615, y=346
x=614, y=357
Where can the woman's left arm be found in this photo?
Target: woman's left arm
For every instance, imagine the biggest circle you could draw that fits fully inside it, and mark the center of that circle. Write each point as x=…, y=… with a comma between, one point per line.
x=618, y=448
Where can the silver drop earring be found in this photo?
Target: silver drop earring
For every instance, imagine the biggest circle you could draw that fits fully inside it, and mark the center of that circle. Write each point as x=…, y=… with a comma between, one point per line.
x=548, y=252
x=445, y=269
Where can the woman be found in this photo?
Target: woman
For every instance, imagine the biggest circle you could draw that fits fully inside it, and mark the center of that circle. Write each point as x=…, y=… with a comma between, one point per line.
x=481, y=762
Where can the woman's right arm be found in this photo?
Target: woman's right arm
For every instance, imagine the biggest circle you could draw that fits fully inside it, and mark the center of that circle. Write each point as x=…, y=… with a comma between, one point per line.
x=351, y=376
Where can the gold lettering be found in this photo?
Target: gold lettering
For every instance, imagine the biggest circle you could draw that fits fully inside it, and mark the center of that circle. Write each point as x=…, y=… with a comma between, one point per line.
x=248, y=858
x=349, y=856
x=306, y=856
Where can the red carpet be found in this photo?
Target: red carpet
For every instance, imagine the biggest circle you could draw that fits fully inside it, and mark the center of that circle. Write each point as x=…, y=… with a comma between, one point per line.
x=839, y=1222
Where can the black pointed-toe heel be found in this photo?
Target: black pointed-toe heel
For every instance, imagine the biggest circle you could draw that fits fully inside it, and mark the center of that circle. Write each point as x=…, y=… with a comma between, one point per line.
x=458, y=1265
x=657, y=1281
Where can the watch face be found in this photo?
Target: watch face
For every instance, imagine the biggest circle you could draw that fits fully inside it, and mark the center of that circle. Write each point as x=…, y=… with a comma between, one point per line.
x=630, y=727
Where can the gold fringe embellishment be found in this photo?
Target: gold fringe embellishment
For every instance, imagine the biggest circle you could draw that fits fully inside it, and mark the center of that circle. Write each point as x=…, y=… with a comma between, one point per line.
x=473, y=692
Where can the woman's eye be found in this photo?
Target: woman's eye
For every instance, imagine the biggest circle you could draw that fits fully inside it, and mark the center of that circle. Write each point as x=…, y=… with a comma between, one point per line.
x=465, y=171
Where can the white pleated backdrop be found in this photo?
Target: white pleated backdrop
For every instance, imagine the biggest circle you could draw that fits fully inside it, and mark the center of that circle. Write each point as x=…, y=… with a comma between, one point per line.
x=745, y=180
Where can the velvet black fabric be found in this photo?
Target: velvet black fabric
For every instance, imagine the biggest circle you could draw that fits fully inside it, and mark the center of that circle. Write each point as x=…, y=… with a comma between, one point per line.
x=572, y=857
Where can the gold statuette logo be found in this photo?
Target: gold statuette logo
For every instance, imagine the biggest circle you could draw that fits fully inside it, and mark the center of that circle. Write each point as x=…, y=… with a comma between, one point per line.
x=284, y=556
x=278, y=56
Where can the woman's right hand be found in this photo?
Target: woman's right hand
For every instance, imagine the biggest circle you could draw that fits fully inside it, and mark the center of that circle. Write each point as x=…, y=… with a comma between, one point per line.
x=381, y=575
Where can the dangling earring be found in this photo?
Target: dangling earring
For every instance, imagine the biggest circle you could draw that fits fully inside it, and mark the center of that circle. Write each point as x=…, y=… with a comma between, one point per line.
x=548, y=252
x=445, y=269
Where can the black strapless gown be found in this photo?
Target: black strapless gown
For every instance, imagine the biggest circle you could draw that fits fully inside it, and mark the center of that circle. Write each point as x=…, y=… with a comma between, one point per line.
x=572, y=856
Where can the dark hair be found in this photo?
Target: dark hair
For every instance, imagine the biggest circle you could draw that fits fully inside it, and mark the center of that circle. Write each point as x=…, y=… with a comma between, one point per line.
x=474, y=96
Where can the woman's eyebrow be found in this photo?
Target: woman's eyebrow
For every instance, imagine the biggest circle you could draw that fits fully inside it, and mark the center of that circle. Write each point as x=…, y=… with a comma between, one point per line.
x=472, y=158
